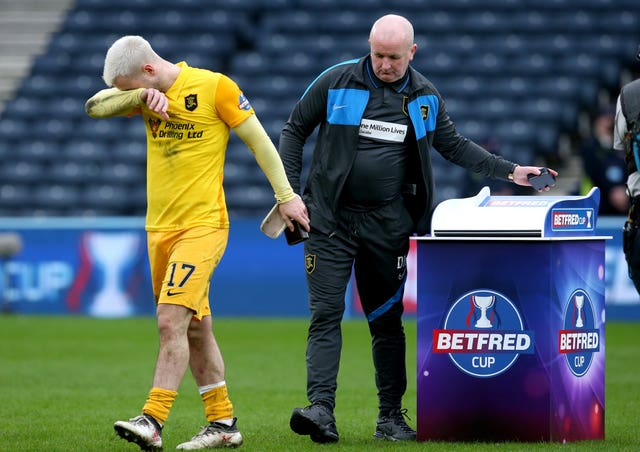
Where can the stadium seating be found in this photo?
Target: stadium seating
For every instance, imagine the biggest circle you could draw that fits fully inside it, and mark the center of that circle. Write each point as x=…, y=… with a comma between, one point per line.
x=517, y=72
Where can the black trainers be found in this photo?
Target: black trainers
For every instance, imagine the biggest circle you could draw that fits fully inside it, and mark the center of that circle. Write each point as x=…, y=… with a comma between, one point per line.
x=393, y=427
x=317, y=421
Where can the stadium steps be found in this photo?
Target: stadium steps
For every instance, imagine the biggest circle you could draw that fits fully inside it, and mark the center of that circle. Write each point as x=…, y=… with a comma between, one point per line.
x=25, y=28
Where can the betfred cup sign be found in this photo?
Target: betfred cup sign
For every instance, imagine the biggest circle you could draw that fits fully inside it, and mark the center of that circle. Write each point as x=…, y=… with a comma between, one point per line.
x=483, y=334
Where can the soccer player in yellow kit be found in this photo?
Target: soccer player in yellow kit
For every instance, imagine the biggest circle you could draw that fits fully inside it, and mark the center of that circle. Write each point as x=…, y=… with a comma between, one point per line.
x=188, y=114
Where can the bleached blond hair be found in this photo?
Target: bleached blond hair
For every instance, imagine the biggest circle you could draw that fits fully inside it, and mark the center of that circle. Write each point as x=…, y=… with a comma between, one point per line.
x=126, y=57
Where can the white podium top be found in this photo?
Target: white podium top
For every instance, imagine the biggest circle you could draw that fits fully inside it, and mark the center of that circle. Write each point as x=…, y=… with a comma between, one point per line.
x=484, y=215
x=426, y=238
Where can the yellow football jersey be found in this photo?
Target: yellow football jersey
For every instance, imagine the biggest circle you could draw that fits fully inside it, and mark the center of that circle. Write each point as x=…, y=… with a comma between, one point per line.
x=185, y=155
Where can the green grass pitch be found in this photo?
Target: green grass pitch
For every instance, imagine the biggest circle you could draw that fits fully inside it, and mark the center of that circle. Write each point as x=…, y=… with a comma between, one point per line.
x=65, y=380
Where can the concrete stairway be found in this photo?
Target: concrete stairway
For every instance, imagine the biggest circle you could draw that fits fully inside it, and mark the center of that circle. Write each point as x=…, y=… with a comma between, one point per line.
x=25, y=28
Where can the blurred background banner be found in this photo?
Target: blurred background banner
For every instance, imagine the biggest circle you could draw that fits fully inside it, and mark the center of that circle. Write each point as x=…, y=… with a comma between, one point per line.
x=99, y=268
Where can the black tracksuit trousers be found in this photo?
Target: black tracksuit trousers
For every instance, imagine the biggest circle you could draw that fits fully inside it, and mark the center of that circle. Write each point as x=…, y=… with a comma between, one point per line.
x=375, y=245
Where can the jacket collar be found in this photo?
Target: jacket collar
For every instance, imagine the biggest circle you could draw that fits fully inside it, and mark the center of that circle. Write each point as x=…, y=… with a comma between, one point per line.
x=398, y=86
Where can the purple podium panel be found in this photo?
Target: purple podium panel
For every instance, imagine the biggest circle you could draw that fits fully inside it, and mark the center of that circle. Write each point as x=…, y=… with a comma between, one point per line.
x=511, y=339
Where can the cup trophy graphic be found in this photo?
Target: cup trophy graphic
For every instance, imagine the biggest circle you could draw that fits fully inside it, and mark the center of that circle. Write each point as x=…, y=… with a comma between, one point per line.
x=111, y=253
x=483, y=303
x=579, y=301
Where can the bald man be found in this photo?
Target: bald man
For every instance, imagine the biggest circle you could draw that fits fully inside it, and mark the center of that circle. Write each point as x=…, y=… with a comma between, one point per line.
x=370, y=187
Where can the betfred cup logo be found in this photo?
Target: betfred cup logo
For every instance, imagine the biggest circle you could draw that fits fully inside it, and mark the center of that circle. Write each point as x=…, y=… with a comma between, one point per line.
x=483, y=333
x=580, y=337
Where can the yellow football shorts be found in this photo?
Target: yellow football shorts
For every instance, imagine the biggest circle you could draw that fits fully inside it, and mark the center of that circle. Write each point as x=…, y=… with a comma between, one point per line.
x=182, y=263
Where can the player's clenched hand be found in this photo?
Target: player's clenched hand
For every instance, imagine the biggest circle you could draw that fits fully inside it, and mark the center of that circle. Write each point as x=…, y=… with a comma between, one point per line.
x=156, y=101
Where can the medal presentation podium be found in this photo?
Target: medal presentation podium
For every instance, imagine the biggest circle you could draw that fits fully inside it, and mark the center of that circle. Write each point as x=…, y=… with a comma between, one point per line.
x=511, y=324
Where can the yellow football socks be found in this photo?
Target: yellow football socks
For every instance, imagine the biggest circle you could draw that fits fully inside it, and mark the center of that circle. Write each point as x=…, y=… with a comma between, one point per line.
x=159, y=404
x=217, y=405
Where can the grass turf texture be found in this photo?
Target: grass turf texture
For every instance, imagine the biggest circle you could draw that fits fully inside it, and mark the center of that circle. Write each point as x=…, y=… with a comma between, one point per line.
x=65, y=380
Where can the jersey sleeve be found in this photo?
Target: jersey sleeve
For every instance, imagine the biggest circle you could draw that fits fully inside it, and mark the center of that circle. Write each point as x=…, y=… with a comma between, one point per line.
x=113, y=102
x=231, y=104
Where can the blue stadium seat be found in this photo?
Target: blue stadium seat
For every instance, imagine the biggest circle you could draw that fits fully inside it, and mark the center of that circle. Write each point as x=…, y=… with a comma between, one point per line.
x=73, y=172
x=578, y=22
x=16, y=196
x=548, y=109
x=82, y=86
x=87, y=150
x=106, y=196
x=294, y=22
x=57, y=63
x=547, y=139
x=477, y=130
x=250, y=62
x=337, y=5
x=623, y=20
x=465, y=87
x=273, y=127
x=100, y=6
x=22, y=172
x=532, y=64
x=345, y=21
x=516, y=132
x=487, y=63
x=238, y=152
x=243, y=175
x=130, y=151
x=43, y=150
x=484, y=21
x=253, y=198
x=25, y=108
x=39, y=87
x=12, y=128
x=518, y=152
x=220, y=21
x=530, y=21
x=439, y=62
x=278, y=86
x=122, y=173
x=584, y=64
x=168, y=20
x=55, y=196
x=219, y=44
x=67, y=107
x=101, y=130
x=458, y=107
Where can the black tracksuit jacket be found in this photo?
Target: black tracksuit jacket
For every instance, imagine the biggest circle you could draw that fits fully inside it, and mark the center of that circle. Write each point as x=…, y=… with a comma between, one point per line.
x=336, y=100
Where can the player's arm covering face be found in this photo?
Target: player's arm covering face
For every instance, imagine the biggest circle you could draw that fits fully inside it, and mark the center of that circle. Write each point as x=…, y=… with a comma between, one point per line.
x=111, y=102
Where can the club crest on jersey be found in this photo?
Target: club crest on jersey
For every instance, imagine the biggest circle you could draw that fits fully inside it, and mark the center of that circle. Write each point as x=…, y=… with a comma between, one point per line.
x=424, y=110
x=243, y=103
x=483, y=334
x=191, y=102
x=310, y=263
x=154, y=125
